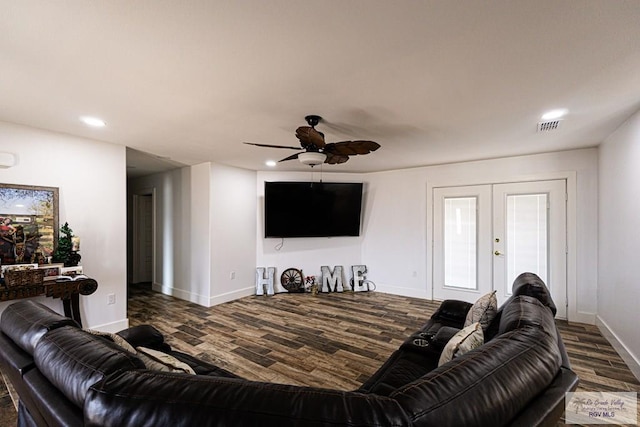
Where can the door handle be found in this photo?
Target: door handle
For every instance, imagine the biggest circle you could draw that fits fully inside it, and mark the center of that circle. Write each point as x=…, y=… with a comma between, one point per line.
x=497, y=253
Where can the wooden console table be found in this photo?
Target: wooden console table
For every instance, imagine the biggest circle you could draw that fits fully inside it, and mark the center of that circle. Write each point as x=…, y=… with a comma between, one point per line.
x=69, y=291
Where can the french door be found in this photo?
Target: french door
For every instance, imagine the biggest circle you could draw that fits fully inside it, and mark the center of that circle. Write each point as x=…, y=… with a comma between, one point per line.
x=486, y=235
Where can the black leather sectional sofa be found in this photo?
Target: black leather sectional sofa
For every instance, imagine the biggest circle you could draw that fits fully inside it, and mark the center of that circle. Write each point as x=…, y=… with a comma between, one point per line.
x=66, y=376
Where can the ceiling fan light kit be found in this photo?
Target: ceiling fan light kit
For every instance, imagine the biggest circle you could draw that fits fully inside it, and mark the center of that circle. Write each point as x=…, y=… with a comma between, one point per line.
x=316, y=151
x=312, y=158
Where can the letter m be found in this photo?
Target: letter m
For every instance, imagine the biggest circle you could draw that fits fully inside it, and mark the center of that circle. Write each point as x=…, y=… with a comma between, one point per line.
x=331, y=281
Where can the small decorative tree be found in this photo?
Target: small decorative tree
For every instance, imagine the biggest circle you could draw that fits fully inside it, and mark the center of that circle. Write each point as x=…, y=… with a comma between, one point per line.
x=64, y=252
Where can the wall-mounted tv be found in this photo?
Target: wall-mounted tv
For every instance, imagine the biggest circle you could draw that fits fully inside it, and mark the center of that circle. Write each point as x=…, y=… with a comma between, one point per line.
x=312, y=209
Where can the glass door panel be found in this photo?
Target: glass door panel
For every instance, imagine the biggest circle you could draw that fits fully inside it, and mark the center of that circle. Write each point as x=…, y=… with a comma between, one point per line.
x=462, y=246
x=527, y=234
x=460, y=242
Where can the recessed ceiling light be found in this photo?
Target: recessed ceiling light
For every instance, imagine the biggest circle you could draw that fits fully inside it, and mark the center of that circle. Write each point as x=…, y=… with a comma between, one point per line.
x=270, y=163
x=93, y=121
x=555, y=114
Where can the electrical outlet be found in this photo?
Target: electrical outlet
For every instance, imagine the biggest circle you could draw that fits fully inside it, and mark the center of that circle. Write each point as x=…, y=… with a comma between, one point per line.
x=232, y=275
x=111, y=299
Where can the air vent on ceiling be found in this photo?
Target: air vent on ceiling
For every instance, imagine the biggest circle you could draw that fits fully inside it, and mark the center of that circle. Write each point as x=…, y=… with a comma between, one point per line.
x=548, y=125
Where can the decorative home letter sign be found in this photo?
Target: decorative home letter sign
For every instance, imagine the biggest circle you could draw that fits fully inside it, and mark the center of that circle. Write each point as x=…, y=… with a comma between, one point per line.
x=331, y=282
x=261, y=280
x=358, y=272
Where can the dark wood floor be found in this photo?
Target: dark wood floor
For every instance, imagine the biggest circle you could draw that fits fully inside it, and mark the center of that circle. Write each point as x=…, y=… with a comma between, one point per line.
x=334, y=340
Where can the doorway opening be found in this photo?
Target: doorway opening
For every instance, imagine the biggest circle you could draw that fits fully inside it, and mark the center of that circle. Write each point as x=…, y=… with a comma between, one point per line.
x=143, y=241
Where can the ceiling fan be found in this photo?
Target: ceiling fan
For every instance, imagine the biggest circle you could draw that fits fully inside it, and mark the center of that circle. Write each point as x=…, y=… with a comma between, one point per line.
x=316, y=151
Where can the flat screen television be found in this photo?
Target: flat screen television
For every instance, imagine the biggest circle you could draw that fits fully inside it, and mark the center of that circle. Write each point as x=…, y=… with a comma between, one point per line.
x=312, y=209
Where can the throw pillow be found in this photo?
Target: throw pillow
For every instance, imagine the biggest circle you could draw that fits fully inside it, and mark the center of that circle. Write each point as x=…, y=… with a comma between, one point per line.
x=465, y=340
x=115, y=338
x=155, y=360
x=483, y=311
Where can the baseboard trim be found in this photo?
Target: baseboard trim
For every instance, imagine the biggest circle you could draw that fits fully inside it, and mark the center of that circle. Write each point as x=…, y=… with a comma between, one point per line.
x=582, y=317
x=405, y=292
x=231, y=296
x=632, y=362
x=112, y=327
x=182, y=294
x=202, y=299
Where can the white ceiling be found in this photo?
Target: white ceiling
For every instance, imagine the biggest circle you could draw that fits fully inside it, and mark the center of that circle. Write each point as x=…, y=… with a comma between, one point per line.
x=431, y=81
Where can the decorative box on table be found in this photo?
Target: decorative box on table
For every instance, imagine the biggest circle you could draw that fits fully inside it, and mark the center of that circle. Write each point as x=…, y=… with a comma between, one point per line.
x=22, y=284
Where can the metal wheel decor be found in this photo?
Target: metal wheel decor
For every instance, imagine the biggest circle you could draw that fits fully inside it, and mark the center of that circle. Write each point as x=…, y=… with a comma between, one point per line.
x=292, y=280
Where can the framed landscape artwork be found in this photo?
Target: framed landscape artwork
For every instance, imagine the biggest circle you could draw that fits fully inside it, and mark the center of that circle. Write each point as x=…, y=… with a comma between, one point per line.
x=28, y=223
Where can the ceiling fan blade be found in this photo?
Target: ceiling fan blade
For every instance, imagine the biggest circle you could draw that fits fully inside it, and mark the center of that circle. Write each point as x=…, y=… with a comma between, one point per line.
x=335, y=159
x=272, y=146
x=291, y=157
x=309, y=137
x=351, y=148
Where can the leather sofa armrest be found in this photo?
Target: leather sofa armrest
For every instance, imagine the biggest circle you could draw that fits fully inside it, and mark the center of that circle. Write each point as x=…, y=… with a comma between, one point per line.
x=548, y=407
x=145, y=336
x=452, y=313
x=46, y=404
x=13, y=359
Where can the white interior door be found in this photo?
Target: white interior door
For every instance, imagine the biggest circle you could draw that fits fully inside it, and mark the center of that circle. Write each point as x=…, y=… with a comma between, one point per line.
x=529, y=223
x=486, y=235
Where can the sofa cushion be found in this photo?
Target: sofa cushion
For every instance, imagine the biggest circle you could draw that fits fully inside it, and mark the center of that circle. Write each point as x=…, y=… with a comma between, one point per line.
x=73, y=360
x=483, y=310
x=462, y=342
x=25, y=322
x=115, y=338
x=156, y=360
x=201, y=364
x=451, y=313
x=145, y=336
x=404, y=366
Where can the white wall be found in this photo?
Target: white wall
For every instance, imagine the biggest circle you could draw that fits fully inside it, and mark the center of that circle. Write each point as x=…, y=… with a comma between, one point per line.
x=205, y=229
x=91, y=179
x=395, y=244
x=198, y=232
x=619, y=240
x=233, y=233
